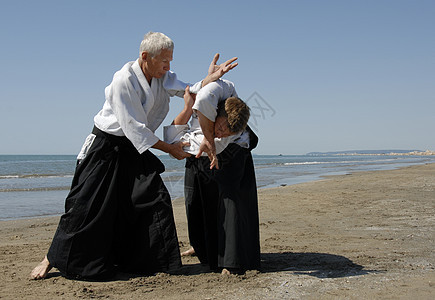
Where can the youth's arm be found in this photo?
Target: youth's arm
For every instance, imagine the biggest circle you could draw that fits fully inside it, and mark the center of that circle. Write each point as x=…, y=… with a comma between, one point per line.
x=207, y=145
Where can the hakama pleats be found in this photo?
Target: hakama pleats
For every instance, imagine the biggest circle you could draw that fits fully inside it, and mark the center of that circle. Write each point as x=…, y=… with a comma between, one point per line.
x=118, y=215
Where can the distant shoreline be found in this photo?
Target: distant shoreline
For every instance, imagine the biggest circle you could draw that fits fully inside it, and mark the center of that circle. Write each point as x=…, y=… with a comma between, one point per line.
x=378, y=152
x=418, y=153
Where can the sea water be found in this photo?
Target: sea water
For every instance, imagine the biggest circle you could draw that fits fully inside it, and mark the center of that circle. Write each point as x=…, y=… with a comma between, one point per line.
x=36, y=185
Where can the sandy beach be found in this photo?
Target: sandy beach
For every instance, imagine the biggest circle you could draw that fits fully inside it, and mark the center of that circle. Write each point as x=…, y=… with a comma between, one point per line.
x=367, y=235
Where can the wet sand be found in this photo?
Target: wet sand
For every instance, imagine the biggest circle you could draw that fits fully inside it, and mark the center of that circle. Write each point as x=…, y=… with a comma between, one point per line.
x=362, y=235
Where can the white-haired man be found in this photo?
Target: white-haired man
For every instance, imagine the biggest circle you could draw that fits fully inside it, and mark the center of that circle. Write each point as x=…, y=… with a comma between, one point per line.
x=118, y=213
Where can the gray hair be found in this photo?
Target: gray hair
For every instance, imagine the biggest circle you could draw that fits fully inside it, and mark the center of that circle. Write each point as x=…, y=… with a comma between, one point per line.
x=154, y=42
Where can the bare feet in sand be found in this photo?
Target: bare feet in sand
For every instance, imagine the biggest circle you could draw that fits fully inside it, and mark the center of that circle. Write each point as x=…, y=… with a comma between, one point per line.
x=41, y=270
x=232, y=271
x=190, y=252
x=225, y=272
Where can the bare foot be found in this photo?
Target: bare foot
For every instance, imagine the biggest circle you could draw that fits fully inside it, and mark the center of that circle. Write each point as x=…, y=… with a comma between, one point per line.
x=225, y=272
x=41, y=270
x=190, y=252
x=232, y=271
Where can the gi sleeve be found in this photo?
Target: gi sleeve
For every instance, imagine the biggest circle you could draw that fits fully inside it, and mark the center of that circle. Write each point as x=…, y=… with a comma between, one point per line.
x=207, y=100
x=176, y=87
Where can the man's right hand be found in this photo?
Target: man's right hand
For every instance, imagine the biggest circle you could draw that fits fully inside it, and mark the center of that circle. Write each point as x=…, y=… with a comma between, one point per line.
x=177, y=151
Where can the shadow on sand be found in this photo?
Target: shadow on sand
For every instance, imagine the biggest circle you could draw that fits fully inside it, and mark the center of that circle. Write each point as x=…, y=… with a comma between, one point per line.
x=321, y=265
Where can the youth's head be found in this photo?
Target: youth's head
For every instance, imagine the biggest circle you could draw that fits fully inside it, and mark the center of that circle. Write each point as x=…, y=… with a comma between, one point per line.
x=155, y=54
x=232, y=117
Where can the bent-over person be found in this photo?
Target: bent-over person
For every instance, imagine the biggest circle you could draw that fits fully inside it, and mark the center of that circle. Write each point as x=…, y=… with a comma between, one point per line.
x=222, y=204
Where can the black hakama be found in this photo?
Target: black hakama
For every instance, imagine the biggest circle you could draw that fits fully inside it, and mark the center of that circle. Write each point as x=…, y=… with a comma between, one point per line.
x=118, y=215
x=222, y=209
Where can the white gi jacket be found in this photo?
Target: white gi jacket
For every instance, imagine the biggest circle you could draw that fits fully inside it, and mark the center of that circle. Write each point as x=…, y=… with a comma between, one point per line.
x=135, y=109
x=206, y=102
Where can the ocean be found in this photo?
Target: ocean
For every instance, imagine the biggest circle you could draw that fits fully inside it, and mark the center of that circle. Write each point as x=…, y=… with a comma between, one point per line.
x=36, y=185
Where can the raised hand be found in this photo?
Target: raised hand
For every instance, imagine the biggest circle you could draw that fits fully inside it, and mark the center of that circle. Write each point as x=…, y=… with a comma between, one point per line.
x=216, y=71
x=223, y=67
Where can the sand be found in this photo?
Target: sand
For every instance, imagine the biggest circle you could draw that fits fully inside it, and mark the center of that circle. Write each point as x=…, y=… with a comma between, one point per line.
x=367, y=235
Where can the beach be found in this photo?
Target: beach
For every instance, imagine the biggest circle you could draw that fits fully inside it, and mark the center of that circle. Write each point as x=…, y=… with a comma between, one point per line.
x=360, y=235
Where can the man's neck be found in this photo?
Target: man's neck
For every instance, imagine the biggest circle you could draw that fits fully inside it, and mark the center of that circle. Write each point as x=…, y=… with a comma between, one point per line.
x=142, y=65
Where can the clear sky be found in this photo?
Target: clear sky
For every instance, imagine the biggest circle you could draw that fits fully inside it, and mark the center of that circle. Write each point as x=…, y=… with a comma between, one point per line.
x=318, y=75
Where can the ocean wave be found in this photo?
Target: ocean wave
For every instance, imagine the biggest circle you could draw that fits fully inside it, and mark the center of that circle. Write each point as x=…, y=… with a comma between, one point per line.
x=36, y=189
x=306, y=163
x=36, y=176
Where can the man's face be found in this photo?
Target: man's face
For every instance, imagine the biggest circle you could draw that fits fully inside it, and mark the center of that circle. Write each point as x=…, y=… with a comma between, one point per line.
x=221, y=128
x=158, y=65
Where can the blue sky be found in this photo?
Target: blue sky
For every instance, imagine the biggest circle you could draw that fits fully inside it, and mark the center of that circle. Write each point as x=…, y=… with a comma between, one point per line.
x=318, y=75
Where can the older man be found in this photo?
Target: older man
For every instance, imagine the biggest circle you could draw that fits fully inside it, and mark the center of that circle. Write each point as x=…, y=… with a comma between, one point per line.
x=118, y=213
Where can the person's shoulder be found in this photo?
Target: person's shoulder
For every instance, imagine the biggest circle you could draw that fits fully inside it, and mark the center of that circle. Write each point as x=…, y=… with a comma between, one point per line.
x=125, y=73
x=226, y=86
x=217, y=85
x=226, y=82
x=222, y=83
x=218, y=88
x=127, y=68
x=214, y=87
